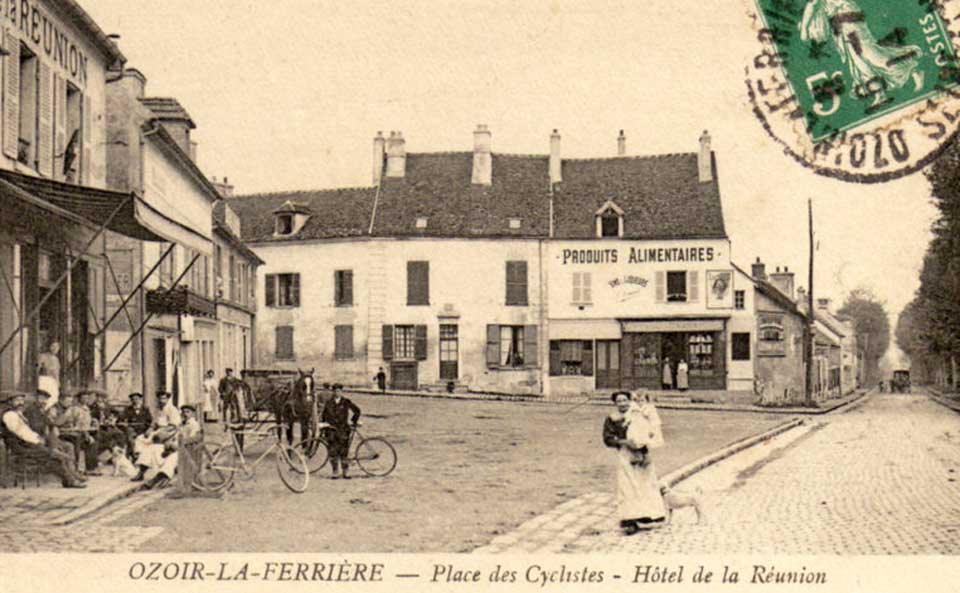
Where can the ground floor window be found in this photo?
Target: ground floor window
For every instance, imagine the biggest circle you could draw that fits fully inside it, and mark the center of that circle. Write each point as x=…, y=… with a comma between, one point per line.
x=449, y=355
x=571, y=357
x=511, y=346
x=701, y=354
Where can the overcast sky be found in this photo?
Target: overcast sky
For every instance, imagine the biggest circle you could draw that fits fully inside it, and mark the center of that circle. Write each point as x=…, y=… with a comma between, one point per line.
x=287, y=94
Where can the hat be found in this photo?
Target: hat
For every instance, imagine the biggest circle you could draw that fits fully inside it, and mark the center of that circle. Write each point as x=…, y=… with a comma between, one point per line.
x=188, y=407
x=337, y=386
x=135, y=394
x=8, y=396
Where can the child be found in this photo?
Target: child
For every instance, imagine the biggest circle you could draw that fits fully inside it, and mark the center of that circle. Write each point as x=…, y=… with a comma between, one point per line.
x=643, y=428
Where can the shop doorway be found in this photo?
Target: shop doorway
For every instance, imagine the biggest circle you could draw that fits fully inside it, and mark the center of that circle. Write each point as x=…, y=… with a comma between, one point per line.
x=608, y=364
x=674, y=347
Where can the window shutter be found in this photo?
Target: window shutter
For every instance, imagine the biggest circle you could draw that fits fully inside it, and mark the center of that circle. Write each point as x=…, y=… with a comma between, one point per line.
x=586, y=290
x=295, y=290
x=420, y=345
x=270, y=290
x=660, y=282
x=493, y=346
x=693, y=286
x=86, y=135
x=348, y=287
x=388, y=342
x=11, y=96
x=577, y=291
x=45, y=122
x=530, y=346
x=59, y=125
x=586, y=358
x=554, y=358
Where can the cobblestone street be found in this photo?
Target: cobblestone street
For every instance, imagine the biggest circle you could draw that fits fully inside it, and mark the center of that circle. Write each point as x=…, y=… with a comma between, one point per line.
x=878, y=479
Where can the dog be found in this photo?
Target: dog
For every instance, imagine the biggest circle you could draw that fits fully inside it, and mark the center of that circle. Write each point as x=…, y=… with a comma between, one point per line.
x=678, y=499
x=121, y=465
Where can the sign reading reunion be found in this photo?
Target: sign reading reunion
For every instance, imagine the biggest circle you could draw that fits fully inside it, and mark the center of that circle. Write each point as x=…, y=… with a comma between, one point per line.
x=45, y=33
x=638, y=255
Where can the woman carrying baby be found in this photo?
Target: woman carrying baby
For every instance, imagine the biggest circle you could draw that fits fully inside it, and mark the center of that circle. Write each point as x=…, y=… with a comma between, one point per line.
x=633, y=429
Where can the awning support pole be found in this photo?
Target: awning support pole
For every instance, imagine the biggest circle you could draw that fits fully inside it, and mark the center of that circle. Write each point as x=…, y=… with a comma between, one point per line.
x=66, y=273
x=150, y=315
x=127, y=299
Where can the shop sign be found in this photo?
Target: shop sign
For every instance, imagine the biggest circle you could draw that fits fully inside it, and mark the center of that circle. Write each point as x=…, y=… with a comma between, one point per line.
x=639, y=255
x=47, y=36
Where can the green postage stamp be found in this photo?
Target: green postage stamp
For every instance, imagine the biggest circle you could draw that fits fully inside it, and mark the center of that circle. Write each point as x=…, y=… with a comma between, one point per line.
x=863, y=90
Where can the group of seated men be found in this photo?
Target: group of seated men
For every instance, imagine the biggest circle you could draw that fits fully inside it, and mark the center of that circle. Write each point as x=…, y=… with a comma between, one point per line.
x=83, y=427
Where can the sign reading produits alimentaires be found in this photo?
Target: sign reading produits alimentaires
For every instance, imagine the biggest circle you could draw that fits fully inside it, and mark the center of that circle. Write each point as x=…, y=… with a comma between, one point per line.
x=638, y=255
x=46, y=35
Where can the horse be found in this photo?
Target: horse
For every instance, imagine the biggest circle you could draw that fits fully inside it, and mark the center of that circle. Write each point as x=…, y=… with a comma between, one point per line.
x=301, y=407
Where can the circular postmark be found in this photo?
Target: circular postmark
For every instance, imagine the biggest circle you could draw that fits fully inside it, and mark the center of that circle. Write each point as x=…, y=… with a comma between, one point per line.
x=860, y=90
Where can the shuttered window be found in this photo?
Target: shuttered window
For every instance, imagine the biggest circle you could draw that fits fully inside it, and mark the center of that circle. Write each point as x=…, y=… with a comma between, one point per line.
x=677, y=287
x=282, y=290
x=406, y=340
x=512, y=346
x=343, y=288
x=693, y=286
x=343, y=342
x=27, y=148
x=517, y=283
x=418, y=283
x=284, y=342
x=582, y=288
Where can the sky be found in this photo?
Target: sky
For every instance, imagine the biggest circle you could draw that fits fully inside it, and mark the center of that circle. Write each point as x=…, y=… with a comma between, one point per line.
x=288, y=94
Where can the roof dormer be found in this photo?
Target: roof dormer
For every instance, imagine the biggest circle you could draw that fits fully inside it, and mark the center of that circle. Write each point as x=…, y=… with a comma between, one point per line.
x=289, y=219
x=609, y=220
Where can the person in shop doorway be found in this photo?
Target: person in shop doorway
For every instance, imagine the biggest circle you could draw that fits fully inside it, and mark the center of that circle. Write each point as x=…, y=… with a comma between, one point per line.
x=683, y=375
x=667, y=374
x=209, y=410
x=381, y=379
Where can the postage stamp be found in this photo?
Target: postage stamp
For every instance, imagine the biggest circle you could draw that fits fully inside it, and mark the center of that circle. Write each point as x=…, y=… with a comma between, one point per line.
x=861, y=90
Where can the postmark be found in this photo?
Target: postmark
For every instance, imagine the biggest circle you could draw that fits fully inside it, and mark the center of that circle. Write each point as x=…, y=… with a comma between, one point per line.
x=860, y=90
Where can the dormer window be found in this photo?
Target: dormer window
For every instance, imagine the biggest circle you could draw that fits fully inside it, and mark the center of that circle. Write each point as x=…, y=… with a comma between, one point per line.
x=421, y=222
x=609, y=221
x=284, y=224
x=514, y=223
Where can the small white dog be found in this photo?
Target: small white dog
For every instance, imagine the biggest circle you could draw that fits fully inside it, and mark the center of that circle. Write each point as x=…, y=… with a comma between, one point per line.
x=678, y=499
x=121, y=465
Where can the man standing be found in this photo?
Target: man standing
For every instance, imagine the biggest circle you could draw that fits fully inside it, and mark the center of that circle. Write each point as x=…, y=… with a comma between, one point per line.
x=381, y=379
x=22, y=440
x=337, y=413
x=229, y=400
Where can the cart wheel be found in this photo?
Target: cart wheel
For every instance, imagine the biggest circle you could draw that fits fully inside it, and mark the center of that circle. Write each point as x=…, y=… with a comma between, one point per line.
x=376, y=457
x=292, y=467
x=315, y=452
x=216, y=467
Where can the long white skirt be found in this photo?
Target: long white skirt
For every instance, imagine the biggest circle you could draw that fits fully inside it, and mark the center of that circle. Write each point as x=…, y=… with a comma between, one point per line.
x=150, y=455
x=638, y=491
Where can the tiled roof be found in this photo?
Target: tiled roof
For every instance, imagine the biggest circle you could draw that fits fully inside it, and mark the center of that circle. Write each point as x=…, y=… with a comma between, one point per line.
x=661, y=196
x=167, y=108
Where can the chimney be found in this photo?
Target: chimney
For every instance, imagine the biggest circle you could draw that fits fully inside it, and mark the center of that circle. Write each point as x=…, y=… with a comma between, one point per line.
x=555, y=160
x=802, y=299
x=193, y=150
x=378, y=154
x=482, y=161
x=135, y=82
x=621, y=144
x=758, y=270
x=396, y=155
x=223, y=187
x=783, y=281
x=705, y=159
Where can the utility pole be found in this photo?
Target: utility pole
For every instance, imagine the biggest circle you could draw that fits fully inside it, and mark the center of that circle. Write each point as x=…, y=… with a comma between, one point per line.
x=808, y=346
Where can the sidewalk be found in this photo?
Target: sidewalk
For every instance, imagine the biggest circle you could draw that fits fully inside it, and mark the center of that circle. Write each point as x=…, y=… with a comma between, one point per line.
x=52, y=505
x=943, y=399
x=669, y=403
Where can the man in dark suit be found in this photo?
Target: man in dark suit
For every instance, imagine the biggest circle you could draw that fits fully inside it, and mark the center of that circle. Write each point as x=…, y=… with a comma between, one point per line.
x=342, y=415
x=136, y=419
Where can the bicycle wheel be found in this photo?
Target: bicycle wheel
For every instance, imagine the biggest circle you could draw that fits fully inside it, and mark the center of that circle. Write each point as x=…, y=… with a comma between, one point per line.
x=216, y=468
x=315, y=452
x=292, y=467
x=376, y=457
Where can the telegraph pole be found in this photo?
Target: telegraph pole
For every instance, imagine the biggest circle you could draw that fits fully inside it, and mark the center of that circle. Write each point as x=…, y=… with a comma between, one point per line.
x=808, y=346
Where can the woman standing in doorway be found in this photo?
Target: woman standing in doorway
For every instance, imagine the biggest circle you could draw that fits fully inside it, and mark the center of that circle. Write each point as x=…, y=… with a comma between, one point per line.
x=683, y=375
x=639, y=503
x=667, y=374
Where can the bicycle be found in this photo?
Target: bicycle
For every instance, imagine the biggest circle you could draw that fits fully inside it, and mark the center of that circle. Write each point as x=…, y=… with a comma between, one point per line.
x=219, y=464
x=375, y=456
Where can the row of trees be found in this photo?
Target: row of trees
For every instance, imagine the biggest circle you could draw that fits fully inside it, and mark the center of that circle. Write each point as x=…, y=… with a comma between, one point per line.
x=928, y=329
x=872, y=326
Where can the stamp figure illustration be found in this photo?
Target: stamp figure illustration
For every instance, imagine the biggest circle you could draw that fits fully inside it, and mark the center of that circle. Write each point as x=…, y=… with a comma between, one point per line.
x=854, y=79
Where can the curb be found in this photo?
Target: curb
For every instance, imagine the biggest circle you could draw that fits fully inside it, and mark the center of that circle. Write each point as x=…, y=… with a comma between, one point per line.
x=679, y=475
x=96, y=505
x=954, y=406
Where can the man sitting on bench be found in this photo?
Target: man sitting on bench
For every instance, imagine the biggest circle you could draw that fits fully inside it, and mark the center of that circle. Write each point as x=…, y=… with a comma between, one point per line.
x=22, y=440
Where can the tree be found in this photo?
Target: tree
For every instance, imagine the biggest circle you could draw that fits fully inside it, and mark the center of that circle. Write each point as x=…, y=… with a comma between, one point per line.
x=872, y=326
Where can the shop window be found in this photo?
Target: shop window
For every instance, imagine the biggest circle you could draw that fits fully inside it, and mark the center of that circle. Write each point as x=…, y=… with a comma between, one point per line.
x=284, y=342
x=282, y=290
x=418, y=283
x=739, y=299
x=343, y=342
x=517, y=283
x=677, y=287
x=571, y=358
x=582, y=289
x=511, y=346
x=741, y=346
x=284, y=224
x=28, y=106
x=701, y=354
x=343, y=288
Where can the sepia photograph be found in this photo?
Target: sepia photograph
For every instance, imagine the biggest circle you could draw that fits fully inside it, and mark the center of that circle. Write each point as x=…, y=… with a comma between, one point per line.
x=488, y=278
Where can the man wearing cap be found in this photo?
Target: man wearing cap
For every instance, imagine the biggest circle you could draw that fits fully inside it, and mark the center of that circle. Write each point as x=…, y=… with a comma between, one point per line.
x=136, y=419
x=22, y=440
x=337, y=413
x=42, y=420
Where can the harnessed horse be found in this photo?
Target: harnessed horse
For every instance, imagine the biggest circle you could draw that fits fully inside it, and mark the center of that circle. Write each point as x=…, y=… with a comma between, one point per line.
x=301, y=407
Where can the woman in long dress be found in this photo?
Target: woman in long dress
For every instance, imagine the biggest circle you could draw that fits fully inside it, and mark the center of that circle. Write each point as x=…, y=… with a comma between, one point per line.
x=683, y=375
x=633, y=431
